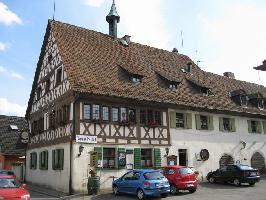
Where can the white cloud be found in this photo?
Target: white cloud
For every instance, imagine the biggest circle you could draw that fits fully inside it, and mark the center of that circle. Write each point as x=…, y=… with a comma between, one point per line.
x=12, y=74
x=7, y=16
x=237, y=40
x=8, y=108
x=93, y=3
x=3, y=46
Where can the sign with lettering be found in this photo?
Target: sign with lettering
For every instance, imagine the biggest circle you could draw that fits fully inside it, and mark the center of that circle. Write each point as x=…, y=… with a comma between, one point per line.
x=86, y=139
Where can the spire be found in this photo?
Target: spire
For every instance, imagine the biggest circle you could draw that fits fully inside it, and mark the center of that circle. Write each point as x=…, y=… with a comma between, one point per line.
x=113, y=18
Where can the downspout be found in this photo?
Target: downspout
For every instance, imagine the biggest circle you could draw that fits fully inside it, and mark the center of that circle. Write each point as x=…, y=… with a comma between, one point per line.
x=73, y=135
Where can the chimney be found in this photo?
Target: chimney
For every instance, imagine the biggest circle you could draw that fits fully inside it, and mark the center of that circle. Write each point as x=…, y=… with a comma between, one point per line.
x=127, y=39
x=113, y=18
x=175, y=50
x=229, y=75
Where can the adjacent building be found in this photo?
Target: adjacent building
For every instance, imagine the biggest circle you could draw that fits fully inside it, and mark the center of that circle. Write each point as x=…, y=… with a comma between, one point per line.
x=137, y=106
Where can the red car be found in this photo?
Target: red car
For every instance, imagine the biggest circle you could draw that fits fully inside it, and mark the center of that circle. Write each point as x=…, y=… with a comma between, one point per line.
x=180, y=178
x=11, y=189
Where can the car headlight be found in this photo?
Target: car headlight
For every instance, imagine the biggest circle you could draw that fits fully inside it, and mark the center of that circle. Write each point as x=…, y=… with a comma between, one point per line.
x=25, y=196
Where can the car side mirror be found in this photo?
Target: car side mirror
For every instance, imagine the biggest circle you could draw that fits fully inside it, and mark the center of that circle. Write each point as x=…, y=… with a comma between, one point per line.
x=24, y=186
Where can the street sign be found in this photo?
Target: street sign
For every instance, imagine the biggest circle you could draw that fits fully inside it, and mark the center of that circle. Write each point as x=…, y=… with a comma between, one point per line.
x=86, y=139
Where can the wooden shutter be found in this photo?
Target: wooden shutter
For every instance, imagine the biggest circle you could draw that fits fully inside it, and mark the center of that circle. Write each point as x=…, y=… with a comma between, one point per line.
x=99, y=151
x=53, y=159
x=172, y=119
x=198, y=122
x=259, y=127
x=264, y=127
x=221, y=123
x=137, y=158
x=61, y=159
x=210, y=122
x=157, y=158
x=188, y=120
x=249, y=126
x=232, y=124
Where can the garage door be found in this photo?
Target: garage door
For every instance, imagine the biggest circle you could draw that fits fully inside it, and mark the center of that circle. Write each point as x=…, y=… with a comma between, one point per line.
x=226, y=160
x=258, y=162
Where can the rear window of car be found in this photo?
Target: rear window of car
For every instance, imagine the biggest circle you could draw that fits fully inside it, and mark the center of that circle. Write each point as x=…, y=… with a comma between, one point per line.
x=153, y=176
x=245, y=167
x=6, y=173
x=185, y=171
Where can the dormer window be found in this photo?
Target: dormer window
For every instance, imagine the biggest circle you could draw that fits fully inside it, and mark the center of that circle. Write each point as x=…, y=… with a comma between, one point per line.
x=206, y=91
x=261, y=104
x=189, y=67
x=244, y=100
x=173, y=86
x=136, y=79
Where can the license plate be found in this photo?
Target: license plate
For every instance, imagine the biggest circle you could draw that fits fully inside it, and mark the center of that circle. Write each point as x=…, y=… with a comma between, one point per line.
x=253, y=174
x=190, y=185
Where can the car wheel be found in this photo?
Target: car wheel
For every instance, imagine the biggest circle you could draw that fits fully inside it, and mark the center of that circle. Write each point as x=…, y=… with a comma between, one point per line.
x=115, y=190
x=164, y=195
x=236, y=182
x=140, y=194
x=173, y=189
x=192, y=190
x=251, y=184
x=212, y=179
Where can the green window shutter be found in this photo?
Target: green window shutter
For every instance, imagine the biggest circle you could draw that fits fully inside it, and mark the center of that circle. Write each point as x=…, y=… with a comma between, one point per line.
x=172, y=119
x=99, y=151
x=157, y=158
x=53, y=160
x=61, y=159
x=188, y=120
x=264, y=127
x=198, y=122
x=249, y=126
x=137, y=158
x=210, y=122
x=259, y=127
x=233, y=124
x=221, y=123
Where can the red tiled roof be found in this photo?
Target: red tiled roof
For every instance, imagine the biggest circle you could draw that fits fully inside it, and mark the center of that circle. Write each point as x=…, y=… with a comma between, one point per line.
x=93, y=63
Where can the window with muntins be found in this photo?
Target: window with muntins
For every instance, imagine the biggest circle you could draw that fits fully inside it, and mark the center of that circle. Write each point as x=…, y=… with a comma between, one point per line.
x=123, y=114
x=143, y=116
x=87, y=111
x=146, y=158
x=243, y=100
x=253, y=126
x=226, y=124
x=204, y=122
x=109, y=158
x=33, y=160
x=58, y=159
x=132, y=115
x=105, y=113
x=95, y=111
x=157, y=117
x=43, y=160
x=115, y=116
x=261, y=104
x=180, y=122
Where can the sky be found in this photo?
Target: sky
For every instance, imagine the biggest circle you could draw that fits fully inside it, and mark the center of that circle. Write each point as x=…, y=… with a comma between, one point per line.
x=219, y=35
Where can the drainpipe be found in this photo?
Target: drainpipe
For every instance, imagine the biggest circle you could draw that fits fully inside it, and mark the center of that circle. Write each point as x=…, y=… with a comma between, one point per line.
x=71, y=191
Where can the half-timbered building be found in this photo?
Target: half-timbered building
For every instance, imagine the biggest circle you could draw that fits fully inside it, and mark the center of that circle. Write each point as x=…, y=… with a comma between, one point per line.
x=137, y=106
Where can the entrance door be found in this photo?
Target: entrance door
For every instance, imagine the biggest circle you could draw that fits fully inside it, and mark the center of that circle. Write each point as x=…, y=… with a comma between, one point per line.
x=258, y=162
x=182, y=155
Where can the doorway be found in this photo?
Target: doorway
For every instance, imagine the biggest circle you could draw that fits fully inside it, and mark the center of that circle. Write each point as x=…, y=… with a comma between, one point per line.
x=182, y=155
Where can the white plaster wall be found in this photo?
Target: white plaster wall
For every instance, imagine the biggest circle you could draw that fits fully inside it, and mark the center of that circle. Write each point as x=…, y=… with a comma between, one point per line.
x=56, y=179
x=217, y=143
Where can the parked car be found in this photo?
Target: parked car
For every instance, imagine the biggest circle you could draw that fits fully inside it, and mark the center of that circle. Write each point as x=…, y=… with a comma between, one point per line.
x=10, y=188
x=180, y=178
x=142, y=183
x=235, y=174
x=6, y=173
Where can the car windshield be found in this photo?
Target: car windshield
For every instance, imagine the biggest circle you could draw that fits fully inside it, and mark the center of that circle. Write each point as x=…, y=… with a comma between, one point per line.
x=8, y=183
x=185, y=171
x=245, y=167
x=153, y=176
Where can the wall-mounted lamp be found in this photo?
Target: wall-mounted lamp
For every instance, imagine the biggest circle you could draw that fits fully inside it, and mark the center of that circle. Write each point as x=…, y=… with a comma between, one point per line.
x=166, y=152
x=243, y=145
x=81, y=148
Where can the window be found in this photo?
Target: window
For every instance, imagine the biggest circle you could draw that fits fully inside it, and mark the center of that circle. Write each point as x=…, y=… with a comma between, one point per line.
x=109, y=158
x=206, y=91
x=66, y=113
x=204, y=122
x=180, y=123
x=261, y=104
x=86, y=111
x=39, y=93
x=132, y=115
x=150, y=116
x=143, y=117
x=47, y=85
x=253, y=126
x=50, y=57
x=136, y=79
x=33, y=160
x=43, y=160
x=243, y=100
x=59, y=116
x=226, y=124
x=105, y=113
x=40, y=125
x=157, y=117
x=58, y=76
x=52, y=120
x=95, y=111
x=115, y=114
x=58, y=159
x=173, y=86
x=146, y=158
x=123, y=114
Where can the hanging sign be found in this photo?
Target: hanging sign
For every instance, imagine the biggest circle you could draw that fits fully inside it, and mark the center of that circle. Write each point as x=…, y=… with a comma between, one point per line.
x=86, y=139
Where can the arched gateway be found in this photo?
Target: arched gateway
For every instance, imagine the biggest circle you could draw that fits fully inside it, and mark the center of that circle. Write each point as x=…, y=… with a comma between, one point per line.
x=258, y=162
x=226, y=160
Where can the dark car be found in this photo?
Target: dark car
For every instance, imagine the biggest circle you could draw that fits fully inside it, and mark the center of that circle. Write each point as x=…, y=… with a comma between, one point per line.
x=235, y=174
x=180, y=178
x=142, y=183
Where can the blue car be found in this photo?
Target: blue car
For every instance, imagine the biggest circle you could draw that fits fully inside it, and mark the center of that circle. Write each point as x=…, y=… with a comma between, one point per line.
x=142, y=183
